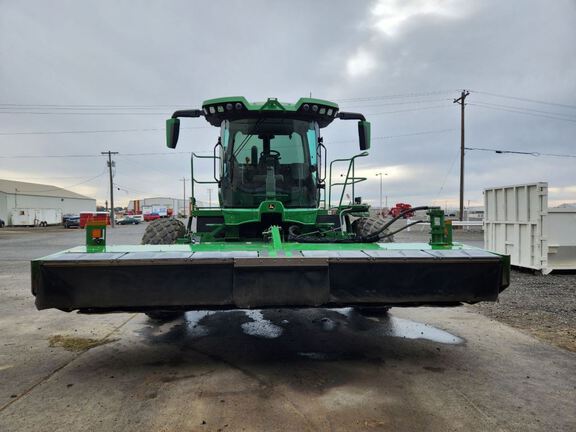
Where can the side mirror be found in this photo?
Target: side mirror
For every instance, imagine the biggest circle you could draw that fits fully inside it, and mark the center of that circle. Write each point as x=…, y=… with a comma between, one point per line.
x=364, y=134
x=172, y=132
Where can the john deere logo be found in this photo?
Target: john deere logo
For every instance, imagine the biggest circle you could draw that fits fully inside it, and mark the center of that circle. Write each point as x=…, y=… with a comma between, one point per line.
x=271, y=206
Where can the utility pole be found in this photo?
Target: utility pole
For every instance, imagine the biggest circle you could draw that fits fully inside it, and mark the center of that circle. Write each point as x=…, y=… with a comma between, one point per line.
x=380, y=175
x=210, y=198
x=184, y=180
x=110, y=166
x=462, y=101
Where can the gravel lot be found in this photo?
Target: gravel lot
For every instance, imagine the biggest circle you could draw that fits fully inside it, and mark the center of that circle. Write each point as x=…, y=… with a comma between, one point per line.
x=545, y=306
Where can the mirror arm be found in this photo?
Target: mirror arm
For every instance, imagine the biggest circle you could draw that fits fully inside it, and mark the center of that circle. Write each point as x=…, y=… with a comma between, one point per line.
x=188, y=113
x=351, y=116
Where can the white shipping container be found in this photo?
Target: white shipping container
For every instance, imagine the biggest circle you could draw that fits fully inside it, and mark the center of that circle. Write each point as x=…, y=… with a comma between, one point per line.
x=36, y=217
x=517, y=222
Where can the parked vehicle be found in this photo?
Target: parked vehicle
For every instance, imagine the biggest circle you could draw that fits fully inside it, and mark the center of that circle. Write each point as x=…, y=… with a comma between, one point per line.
x=36, y=217
x=72, y=222
x=151, y=216
x=128, y=220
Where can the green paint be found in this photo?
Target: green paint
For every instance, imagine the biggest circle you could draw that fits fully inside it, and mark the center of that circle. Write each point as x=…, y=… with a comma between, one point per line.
x=440, y=231
x=276, y=240
x=263, y=246
x=238, y=216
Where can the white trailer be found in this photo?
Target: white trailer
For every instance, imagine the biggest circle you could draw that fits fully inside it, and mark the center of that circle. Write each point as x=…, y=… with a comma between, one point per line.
x=35, y=217
x=519, y=223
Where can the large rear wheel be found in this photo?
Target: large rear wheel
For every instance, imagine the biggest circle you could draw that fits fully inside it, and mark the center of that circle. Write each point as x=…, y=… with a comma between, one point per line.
x=164, y=231
x=368, y=226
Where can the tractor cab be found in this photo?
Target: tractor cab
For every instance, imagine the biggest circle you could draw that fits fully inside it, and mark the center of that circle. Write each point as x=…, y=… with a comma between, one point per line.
x=269, y=159
x=268, y=151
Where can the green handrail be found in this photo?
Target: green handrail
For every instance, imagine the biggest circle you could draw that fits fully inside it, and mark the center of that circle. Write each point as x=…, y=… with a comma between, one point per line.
x=352, y=180
x=193, y=179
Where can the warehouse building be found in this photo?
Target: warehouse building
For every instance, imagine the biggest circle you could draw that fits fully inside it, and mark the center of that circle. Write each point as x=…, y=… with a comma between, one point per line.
x=22, y=202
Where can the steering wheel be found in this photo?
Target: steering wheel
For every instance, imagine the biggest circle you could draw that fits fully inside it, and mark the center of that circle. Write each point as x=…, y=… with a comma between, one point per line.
x=273, y=153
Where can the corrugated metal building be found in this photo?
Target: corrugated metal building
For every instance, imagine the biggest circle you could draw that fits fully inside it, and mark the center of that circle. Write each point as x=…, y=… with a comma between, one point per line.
x=16, y=195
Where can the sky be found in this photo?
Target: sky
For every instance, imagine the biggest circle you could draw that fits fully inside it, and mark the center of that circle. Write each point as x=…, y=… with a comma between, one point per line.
x=81, y=78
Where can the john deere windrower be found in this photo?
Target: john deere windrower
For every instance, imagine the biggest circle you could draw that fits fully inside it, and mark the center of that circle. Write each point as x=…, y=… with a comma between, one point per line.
x=280, y=237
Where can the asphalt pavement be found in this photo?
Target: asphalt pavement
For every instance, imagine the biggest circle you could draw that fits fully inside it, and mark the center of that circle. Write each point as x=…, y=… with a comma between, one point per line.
x=415, y=369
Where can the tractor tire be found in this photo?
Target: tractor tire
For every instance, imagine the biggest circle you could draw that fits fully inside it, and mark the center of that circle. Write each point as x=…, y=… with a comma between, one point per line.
x=164, y=231
x=367, y=226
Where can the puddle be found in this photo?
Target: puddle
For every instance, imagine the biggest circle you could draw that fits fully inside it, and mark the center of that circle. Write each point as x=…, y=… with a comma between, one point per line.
x=389, y=325
x=195, y=329
x=408, y=329
x=319, y=325
x=260, y=327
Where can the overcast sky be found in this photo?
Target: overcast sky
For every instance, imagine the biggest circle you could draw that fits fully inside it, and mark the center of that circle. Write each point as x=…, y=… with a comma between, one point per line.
x=120, y=68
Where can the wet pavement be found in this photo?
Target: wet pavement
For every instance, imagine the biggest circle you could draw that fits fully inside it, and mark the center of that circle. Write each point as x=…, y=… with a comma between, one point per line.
x=413, y=369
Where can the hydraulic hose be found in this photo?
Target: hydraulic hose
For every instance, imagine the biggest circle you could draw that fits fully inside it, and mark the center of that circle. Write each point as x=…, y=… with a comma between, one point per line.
x=375, y=236
x=372, y=238
x=401, y=229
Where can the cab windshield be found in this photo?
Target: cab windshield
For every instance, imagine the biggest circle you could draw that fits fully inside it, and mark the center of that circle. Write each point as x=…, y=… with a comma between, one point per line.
x=269, y=159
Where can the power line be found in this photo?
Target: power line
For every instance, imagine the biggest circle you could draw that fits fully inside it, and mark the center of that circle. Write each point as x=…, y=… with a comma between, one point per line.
x=531, y=110
x=500, y=151
x=83, y=113
x=362, y=105
x=153, y=106
x=49, y=156
x=517, y=111
x=525, y=99
x=386, y=137
x=447, y=174
x=93, y=131
x=527, y=109
x=164, y=113
x=438, y=131
x=408, y=110
x=74, y=106
x=94, y=155
x=398, y=96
